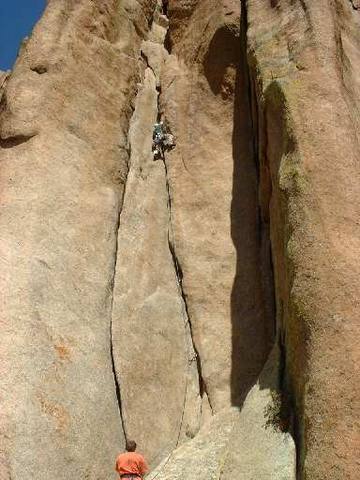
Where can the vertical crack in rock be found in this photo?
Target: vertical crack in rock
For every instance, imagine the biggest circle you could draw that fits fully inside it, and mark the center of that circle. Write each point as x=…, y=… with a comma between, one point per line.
x=140, y=182
x=4, y=76
x=256, y=124
x=116, y=381
x=259, y=135
x=179, y=278
x=177, y=267
x=192, y=353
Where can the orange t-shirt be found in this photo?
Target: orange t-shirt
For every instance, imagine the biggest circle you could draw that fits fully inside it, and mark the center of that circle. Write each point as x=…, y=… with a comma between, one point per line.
x=131, y=462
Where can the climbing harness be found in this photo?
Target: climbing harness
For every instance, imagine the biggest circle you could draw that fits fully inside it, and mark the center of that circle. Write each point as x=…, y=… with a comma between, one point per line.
x=162, y=140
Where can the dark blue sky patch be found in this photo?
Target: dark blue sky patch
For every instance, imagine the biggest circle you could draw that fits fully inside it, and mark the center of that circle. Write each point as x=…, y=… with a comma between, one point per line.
x=17, y=18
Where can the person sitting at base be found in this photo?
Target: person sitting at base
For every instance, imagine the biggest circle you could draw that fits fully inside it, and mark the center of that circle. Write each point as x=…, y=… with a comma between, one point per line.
x=131, y=465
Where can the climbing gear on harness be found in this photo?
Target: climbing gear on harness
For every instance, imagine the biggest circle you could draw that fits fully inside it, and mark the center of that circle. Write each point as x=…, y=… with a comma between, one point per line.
x=159, y=132
x=162, y=140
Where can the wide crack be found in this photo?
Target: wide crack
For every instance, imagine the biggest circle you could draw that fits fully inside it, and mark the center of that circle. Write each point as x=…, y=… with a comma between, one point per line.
x=260, y=147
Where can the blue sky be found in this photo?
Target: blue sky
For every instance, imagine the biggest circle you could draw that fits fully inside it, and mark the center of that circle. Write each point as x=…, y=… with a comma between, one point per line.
x=17, y=18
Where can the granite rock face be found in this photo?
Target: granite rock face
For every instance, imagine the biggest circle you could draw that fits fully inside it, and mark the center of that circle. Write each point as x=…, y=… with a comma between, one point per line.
x=225, y=265
x=3, y=79
x=64, y=121
x=303, y=60
x=205, y=302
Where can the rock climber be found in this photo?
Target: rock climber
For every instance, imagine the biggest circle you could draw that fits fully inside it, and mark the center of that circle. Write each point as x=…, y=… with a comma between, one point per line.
x=158, y=138
x=162, y=140
x=131, y=465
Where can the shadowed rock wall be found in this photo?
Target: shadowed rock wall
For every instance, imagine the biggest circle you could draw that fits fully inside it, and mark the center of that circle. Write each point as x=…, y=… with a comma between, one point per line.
x=302, y=56
x=213, y=171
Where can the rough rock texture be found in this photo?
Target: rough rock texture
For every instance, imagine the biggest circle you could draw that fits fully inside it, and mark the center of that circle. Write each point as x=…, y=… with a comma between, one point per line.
x=225, y=264
x=303, y=60
x=3, y=79
x=203, y=456
x=244, y=444
x=204, y=303
x=63, y=165
x=257, y=446
x=149, y=316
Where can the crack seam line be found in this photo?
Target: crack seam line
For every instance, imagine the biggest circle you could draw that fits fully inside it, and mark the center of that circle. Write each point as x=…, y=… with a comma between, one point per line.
x=177, y=277
x=178, y=273
x=116, y=381
x=253, y=101
x=117, y=230
x=187, y=321
x=146, y=61
x=180, y=292
x=177, y=266
x=173, y=257
x=4, y=80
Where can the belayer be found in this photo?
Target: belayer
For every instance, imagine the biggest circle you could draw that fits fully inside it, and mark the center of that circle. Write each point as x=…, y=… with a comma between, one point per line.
x=131, y=465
